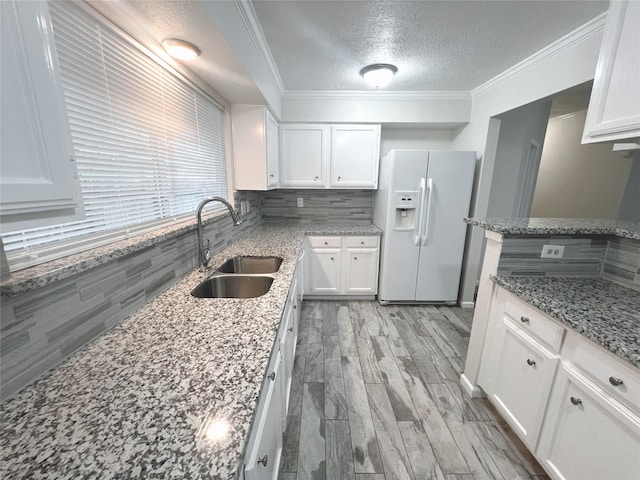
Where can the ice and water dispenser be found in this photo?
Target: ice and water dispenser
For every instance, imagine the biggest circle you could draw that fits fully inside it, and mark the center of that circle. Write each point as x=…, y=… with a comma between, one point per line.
x=406, y=204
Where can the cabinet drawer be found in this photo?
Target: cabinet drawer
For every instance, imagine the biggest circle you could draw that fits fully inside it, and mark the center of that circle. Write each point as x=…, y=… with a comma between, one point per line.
x=325, y=242
x=368, y=241
x=606, y=370
x=534, y=322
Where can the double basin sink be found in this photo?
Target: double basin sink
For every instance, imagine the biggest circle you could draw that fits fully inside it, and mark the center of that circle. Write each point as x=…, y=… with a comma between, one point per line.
x=239, y=277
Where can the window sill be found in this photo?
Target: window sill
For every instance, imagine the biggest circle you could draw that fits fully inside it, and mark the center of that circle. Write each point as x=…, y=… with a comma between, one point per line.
x=46, y=273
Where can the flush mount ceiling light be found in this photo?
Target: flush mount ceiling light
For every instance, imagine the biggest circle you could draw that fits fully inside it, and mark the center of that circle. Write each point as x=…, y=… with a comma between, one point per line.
x=180, y=49
x=379, y=74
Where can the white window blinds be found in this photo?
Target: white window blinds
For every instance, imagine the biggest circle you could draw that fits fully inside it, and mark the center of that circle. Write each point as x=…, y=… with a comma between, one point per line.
x=148, y=146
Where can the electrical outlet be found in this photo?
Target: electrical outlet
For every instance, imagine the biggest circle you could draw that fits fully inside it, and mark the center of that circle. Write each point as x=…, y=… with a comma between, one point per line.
x=552, y=251
x=300, y=202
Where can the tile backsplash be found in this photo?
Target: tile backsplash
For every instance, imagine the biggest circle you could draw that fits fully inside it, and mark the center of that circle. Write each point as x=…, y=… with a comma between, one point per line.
x=320, y=206
x=622, y=262
x=42, y=327
x=582, y=256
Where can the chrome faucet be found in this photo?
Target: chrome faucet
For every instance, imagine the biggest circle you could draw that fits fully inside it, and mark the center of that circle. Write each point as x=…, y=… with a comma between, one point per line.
x=204, y=255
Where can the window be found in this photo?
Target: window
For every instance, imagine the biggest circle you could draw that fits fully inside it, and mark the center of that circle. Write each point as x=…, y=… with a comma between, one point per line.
x=148, y=145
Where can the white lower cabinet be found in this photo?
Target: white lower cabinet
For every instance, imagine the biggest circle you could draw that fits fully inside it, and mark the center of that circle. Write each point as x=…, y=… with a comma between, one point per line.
x=343, y=265
x=587, y=435
x=264, y=458
x=264, y=450
x=568, y=399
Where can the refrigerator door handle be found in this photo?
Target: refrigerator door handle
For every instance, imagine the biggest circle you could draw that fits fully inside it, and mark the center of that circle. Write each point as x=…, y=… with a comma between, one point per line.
x=420, y=214
x=428, y=208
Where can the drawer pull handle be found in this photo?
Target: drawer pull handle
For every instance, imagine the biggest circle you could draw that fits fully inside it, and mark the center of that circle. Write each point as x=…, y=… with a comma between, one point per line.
x=339, y=178
x=331, y=258
x=326, y=243
x=315, y=178
x=290, y=329
x=531, y=363
x=616, y=382
x=263, y=460
x=361, y=243
x=271, y=175
x=295, y=307
x=355, y=258
x=524, y=319
x=576, y=401
x=272, y=376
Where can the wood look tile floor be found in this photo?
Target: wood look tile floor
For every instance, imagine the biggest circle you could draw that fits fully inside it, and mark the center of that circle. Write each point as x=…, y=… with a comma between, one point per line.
x=376, y=396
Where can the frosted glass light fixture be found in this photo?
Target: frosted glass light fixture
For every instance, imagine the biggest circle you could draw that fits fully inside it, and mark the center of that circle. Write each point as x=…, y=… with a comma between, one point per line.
x=179, y=49
x=379, y=74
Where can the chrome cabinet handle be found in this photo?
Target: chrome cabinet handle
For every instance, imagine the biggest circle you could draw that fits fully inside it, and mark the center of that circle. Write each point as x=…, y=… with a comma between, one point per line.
x=531, y=363
x=315, y=178
x=355, y=258
x=272, y=376
x=290, y=329
x=331, y=258
x=576, y=401
x=616, y=382
x=295, y=307
x=339, y=178
x=263, y=460
x=524, y=319
x=271, y=175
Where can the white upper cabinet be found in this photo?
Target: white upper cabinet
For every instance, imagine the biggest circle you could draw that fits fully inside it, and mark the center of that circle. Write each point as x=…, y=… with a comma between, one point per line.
x=255, y=147
x=304, y=155
x=614, y=108
x=329, y=156
x=354, y=156
x=38, y=180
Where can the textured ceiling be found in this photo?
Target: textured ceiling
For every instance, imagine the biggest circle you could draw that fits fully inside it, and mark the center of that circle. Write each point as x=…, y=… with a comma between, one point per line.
x=189, y=20
x=436, y=45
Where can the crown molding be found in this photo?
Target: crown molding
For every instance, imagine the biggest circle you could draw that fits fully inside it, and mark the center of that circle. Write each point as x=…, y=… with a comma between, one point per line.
x=250, y=19
x=581, y=34
x=375, y=95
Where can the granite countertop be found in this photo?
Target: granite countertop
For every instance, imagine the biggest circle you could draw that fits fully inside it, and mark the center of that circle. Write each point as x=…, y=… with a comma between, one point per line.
x=137, y=402
x=603, y=311
x=558, y=226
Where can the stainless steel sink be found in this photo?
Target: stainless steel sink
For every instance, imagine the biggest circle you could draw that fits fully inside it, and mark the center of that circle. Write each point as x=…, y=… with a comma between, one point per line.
x=233, y=286
x=248, y=265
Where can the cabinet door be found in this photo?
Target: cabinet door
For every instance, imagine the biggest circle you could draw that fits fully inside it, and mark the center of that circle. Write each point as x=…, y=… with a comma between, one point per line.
x=264, y=459
x=521, y=379
x=304, y=155
x=288, y=341
x=614, y=108
x=325, y=270
x=361, y=270
x=355, y=151
x=273, y=160
x=38, y=184
x=586, y=435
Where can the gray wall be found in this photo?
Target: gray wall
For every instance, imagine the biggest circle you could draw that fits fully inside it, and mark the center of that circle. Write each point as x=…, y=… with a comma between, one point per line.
x=630, y=204
x=42, y=327
x=320, y=206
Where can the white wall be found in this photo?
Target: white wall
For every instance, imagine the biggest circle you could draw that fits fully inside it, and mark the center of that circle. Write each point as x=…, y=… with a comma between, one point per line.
x=418, y=138
x=444, y=109
x=576, y=180
x=517, y=129
x=568, y=62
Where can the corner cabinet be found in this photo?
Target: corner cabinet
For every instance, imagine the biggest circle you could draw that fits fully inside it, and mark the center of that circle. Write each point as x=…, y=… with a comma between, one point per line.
x=38, y=180
x=614, y=108
x=573, y=403
x=329, y=156
x=255, y=147
x=343, y=266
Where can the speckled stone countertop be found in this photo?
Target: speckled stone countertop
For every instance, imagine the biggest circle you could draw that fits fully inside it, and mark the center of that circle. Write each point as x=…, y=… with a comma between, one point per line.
x=603, y=311
x=558, y=226
x=137, y=402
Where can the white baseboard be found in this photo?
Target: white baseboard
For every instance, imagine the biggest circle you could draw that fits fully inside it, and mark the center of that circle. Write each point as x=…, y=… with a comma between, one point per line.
x=467, y=304
x=474, y=391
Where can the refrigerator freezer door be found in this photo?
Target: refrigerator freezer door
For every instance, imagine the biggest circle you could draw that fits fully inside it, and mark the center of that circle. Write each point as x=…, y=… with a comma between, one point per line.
x=440, y=263
x=400, y=254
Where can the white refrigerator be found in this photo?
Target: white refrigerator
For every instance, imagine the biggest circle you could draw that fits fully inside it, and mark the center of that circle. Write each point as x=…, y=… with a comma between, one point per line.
x=421, y=200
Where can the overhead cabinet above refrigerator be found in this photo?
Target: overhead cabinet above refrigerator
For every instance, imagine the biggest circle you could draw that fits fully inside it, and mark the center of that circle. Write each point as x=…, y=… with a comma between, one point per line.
x=421, y=200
